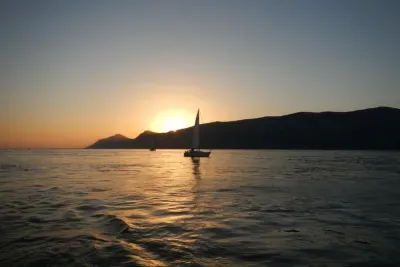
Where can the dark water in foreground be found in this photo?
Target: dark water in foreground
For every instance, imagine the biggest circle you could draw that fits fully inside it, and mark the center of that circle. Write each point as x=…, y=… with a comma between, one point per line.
x=238, y=208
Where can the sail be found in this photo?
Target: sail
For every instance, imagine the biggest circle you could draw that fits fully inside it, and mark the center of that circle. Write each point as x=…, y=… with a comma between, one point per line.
x=196, y=134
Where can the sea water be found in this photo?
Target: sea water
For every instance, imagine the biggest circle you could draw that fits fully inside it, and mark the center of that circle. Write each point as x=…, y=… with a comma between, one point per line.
x=236, y=208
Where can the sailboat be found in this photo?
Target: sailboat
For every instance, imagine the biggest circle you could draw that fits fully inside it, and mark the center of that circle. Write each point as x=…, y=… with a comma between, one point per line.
x=195, y=150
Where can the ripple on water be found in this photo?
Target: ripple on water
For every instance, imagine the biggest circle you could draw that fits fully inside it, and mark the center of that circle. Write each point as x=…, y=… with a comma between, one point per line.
x=8, y=166
x=90, y=208
x=99, y=189
x=58, y=205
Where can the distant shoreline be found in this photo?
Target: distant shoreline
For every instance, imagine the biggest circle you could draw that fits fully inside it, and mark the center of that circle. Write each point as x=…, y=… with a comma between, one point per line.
x=216, y=149
x=368, y=129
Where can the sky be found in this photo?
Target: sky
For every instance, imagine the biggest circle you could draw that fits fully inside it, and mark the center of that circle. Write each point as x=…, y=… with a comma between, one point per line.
x=72, y=72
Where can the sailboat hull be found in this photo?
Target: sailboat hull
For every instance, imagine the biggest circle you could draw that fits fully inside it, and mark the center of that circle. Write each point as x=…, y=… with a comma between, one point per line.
x=196, y=154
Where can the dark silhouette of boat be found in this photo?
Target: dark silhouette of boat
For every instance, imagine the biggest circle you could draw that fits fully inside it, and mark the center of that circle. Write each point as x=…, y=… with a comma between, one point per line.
x=195, y=150
x=153, y=146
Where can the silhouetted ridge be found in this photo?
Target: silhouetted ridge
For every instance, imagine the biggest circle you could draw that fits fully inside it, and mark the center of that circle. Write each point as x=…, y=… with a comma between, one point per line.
x=146, y=133
x=117, y=137
x=374, y=128
x=115, y=141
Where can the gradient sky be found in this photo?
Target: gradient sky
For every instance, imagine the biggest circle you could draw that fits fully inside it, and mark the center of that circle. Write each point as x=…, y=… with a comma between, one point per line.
x=75, y=71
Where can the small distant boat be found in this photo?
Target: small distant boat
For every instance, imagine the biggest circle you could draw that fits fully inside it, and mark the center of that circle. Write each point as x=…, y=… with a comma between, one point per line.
x=153, y=147
x=195, y=150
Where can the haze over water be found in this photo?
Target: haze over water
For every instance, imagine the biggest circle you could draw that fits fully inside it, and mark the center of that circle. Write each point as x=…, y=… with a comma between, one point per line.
x=237, y=208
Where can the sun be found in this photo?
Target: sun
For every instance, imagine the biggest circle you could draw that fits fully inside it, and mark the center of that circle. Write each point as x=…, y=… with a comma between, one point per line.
x=170, y=120
x=172, y=124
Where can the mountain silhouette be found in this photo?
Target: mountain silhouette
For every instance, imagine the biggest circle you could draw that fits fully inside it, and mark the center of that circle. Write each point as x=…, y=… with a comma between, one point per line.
x=374, y=128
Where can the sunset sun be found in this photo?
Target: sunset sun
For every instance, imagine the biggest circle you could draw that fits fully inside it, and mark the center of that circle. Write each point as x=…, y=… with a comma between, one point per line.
x=172, y=124
x=171, y=120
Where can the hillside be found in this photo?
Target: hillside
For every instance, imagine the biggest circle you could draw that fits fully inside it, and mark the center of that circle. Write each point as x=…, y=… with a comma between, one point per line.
x=375, y=128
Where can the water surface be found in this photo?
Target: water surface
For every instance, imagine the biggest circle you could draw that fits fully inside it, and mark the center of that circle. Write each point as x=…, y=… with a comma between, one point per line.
x=237, y=208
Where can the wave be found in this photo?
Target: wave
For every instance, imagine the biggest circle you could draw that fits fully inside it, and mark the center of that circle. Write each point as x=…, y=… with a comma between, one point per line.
x=111, y=224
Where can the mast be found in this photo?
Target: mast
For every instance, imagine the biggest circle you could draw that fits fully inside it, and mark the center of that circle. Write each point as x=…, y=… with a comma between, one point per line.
x=196, y=133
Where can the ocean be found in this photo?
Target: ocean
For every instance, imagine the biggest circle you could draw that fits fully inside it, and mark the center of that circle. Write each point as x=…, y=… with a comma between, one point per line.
x=236, y=208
